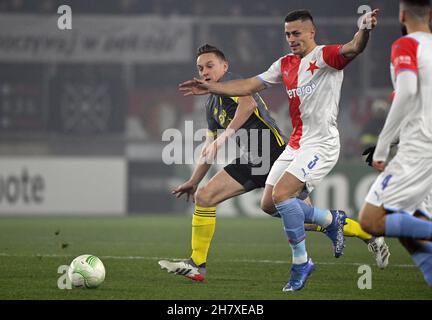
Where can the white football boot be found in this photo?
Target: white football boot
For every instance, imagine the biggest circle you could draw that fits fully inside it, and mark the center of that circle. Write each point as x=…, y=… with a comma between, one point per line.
x=185, y=268
x=380, y=250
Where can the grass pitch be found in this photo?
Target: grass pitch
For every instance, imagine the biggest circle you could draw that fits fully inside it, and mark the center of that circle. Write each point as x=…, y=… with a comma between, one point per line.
x=249, y=260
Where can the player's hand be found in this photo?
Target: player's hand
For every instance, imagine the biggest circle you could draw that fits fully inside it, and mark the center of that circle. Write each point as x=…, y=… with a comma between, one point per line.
x=379, y=165
x=194, y=87
x=187, y=188
x=369, y=20
x=369, y=152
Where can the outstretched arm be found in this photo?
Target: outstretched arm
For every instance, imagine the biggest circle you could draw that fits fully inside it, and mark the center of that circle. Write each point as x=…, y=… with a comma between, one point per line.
x=190, y=186
x=356, y=46
x=406, y=90
x=240, y=87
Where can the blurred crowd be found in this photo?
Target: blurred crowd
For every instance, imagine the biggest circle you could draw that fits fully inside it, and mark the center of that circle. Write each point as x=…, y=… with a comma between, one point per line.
x=250, y=50
x=191, y=7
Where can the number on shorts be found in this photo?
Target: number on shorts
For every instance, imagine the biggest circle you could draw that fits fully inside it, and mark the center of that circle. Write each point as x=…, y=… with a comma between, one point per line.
x=313, y=162
x=386, y=181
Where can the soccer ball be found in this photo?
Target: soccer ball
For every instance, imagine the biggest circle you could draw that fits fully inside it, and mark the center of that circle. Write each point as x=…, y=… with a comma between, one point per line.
x=86, y=271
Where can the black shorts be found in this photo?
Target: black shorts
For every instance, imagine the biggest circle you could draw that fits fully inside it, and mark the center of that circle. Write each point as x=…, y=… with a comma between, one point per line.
x=242, y=172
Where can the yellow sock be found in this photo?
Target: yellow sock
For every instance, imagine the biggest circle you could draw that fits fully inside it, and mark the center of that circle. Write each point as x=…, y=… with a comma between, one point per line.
x=313, y=227
x=203, y=227
x=353, y=229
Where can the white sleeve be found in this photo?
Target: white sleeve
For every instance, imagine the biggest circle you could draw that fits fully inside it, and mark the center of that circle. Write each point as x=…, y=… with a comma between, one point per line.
x=406, y=89
x=273, y=75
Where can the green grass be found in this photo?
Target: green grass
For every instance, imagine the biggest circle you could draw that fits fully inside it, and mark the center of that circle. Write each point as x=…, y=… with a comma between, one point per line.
x=249, y=259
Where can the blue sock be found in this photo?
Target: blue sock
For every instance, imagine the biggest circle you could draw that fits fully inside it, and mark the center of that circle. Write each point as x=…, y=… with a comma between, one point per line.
x=275, y=214
x=318, y=216
x=293, y=221
x=405, y=225
x=299, y=252
x=307, y=210
x=423, y=260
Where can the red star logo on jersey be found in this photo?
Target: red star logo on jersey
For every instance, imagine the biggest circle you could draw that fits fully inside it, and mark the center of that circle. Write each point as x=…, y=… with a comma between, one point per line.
x=312, y=67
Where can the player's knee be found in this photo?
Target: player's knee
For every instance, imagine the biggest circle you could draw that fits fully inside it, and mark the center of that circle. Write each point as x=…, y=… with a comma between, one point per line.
x=267, y=207
x=372, y=220
x=365, y=223
x=279, y=194
x=369, y=225
x=204, y=198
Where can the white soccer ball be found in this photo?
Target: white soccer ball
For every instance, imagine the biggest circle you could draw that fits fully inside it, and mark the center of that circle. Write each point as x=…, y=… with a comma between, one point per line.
x=86, y=271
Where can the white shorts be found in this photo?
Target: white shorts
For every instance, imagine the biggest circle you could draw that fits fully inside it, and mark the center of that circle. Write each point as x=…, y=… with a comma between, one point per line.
x=308, y=164
x=405, y=185
x=426, y=206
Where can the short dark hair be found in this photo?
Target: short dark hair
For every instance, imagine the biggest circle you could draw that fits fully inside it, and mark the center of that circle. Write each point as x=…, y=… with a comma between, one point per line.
x=210, y=49
x=419, y=9
x=416, y=3
x=302, y=15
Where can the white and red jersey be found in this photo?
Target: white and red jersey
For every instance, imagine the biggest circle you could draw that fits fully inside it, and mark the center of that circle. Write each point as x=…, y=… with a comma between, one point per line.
x=414, y=53
x=313, y=84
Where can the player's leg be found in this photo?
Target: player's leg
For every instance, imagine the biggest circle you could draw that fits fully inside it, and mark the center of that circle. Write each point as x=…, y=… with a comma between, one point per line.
x=221, y=187
x=280, y=159
x=268, y=207
x=312, y=226
x=285, y=191
x=400, y=189
x=325, y=218
x=372, y=219
x=267, y=204
x=392, y=201
x=332, y=220
x=399, y=224
x=421, y=251
x=393, y=198
x=352, y=228
x=376, y=245
x=289, y=190
x=400, y=200
x=277, y=170
x=402, y=225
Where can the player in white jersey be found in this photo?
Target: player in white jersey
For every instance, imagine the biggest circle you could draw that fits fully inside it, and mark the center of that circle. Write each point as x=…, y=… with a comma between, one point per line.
x=401, y=193
x=312, y=76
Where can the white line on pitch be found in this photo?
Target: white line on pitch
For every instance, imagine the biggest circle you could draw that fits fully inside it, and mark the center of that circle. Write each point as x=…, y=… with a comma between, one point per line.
x=3, y=254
